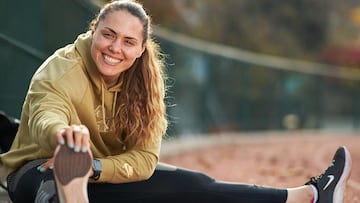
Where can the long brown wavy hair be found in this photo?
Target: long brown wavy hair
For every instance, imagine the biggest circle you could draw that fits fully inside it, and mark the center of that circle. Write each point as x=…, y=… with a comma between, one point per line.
x=141, y=113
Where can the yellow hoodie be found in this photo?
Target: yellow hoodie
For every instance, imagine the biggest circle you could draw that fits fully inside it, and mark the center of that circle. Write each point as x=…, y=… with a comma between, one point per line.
x=67, y=89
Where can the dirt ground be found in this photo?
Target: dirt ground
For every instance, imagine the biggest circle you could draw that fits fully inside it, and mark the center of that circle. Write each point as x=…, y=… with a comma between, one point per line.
x=274, y=159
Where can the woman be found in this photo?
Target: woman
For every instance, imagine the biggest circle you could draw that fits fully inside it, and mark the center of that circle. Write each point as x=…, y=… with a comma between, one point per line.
x=100, y=100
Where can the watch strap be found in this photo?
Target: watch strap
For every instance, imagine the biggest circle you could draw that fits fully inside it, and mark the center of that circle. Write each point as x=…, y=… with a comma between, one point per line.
x=97, y=168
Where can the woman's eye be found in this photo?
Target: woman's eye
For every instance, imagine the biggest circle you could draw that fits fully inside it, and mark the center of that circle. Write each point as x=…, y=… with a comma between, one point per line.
x=108, y=35
x=129, y=42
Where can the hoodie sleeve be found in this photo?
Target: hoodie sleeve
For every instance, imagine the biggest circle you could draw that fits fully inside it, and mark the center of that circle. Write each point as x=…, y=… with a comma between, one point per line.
x=136, y=164
x=48, y=113
x=54, y=88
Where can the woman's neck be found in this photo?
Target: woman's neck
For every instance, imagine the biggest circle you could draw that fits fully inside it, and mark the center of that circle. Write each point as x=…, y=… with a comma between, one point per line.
x=111, y=82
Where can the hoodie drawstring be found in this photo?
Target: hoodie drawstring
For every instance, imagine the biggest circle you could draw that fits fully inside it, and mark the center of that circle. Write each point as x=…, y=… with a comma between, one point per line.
x=113, y=109
x=103, y=108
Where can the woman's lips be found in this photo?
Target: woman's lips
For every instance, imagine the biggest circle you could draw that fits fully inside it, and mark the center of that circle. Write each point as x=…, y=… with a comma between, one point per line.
x=110, y=60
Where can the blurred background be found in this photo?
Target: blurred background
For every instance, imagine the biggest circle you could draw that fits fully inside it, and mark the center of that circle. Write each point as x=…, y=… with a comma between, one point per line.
x=233, y=65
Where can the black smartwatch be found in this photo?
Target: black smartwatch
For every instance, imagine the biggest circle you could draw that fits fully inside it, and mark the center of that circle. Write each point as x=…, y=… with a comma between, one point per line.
x=97, y=168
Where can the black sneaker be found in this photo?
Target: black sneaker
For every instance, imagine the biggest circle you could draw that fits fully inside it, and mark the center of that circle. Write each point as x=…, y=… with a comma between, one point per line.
x=331, y=184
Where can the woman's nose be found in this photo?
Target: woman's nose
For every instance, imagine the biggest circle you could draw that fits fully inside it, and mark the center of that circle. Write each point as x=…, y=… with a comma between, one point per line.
x=116, y=47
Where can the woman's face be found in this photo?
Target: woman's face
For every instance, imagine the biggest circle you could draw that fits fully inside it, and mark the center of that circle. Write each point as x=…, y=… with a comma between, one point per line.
x=116, y=43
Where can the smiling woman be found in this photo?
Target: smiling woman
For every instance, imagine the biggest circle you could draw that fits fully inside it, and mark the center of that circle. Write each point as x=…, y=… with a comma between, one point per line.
x=95, y=111
x=117, y=42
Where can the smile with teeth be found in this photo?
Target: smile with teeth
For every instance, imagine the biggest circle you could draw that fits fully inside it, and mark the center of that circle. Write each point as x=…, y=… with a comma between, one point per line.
x=111, y=60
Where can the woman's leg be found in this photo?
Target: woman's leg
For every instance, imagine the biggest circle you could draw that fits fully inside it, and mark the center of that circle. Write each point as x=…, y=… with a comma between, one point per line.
x=300, y=194
x=182, y=185
x=170, y=183
x=24, y=184
x=167, y=183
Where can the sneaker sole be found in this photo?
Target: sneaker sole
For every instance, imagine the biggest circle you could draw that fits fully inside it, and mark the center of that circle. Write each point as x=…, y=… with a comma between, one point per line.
x=71, y=171
x=340, y=187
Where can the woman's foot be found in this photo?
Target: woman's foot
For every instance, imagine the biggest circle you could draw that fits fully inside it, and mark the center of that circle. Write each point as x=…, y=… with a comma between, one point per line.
x=72, y=171
x=332, y=183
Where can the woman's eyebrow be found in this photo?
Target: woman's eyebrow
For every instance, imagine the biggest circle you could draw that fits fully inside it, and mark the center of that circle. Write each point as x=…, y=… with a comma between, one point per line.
x=127, y=37
x=111, y=30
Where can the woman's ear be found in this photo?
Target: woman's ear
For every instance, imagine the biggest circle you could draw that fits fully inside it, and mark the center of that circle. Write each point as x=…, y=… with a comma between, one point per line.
x=142, y=50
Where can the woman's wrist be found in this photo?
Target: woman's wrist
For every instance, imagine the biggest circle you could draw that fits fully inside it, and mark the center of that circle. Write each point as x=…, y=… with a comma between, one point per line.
x=96, y=170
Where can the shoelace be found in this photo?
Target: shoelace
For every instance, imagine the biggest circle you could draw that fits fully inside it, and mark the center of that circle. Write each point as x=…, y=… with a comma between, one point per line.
x=314, y=180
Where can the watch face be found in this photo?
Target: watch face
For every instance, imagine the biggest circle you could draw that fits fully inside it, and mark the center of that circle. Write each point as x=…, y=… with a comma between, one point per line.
x=97, y=169
x=97, y=165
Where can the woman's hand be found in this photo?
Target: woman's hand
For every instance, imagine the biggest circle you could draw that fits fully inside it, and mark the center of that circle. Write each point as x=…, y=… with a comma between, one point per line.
x=49, y=164
x=76, y=137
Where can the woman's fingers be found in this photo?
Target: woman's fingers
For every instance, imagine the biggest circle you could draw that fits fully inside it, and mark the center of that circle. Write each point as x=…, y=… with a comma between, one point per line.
x=76, y=137
x=49, y=164
x=60, y=137
x=85, y=141
x=69, y=136
x=81, y=138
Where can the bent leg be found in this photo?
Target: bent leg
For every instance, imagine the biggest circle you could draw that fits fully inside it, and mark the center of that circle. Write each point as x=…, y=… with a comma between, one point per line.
x=24, y=184
x=182, y=185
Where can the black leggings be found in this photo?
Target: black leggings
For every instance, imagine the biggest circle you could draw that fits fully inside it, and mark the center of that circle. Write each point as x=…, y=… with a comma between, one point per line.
x=167, y=184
